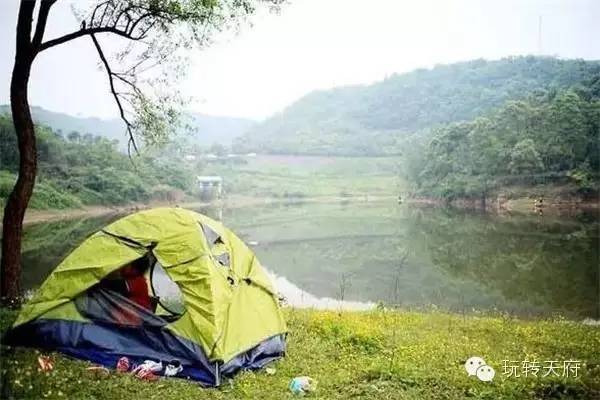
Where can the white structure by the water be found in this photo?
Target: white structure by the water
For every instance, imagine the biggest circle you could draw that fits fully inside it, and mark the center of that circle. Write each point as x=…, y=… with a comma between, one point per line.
x=213, y=184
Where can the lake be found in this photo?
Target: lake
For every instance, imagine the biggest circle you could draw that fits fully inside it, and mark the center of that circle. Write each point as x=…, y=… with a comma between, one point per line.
x=357, y=255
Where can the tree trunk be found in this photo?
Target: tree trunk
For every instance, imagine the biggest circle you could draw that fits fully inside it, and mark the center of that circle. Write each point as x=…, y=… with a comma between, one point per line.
x=14, y=211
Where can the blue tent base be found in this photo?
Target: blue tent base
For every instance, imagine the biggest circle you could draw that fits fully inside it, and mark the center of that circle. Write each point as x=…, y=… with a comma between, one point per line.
x=104, y=344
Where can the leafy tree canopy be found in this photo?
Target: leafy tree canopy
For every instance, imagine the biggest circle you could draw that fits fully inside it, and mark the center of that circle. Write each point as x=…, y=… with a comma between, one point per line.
x=550, y=137
x=375, y=119
x=84, y=169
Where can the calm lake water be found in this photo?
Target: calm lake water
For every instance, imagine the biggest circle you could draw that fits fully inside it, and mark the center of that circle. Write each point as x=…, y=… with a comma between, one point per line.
x=364, y=253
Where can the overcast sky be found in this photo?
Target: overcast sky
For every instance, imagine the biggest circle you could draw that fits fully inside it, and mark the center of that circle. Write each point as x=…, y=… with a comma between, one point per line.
x=315, y=44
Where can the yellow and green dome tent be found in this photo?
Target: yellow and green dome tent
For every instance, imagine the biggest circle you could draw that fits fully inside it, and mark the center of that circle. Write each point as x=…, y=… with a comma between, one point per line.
x=229, y=318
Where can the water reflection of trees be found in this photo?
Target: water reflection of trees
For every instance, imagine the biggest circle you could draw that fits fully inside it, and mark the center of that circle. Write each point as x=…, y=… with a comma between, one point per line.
x=45, y=245
x=540, y=263
x=458, y=261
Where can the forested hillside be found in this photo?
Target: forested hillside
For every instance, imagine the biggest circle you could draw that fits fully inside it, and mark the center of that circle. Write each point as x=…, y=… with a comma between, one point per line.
x=552, y=137
x=460, y=131
x=82, y=169
x=205, y=130
x=373, y=120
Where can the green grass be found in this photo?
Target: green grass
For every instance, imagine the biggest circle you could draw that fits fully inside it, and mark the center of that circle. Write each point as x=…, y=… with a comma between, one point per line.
x=309, y=176
x=371, y=355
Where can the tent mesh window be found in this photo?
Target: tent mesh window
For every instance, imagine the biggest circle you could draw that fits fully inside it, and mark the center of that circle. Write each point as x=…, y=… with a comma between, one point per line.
x=167, y=293
x=108, y=306
x=217, y=246
x=223, y=259
x=211, y=236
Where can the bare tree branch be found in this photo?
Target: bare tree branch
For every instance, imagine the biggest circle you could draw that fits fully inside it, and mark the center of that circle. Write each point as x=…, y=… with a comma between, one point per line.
x=142, y=34
x=103, y=14
x=104, y=3
x=41, y=22
x=160, y=60
x=141, y=18
x=124, y=11
x=122, y=78
x=83, y=32
x=129, y=126
x=134, y=67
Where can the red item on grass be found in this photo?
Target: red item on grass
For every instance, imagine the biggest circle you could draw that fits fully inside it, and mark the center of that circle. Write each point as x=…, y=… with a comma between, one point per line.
x=146, y=374
x=45, y=363
x=123, y=364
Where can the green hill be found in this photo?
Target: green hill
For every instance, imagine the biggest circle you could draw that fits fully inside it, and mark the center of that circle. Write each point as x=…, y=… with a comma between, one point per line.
x=84, y=170
x=371, y=120
x=549, y=138
x=207, y=129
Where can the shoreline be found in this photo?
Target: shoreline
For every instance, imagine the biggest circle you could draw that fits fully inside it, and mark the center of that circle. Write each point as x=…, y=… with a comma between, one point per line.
x=516, y=205
x=497, y=205
x=35, y=216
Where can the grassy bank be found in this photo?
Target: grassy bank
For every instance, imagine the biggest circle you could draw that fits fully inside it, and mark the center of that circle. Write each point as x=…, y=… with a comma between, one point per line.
x=288, y=176
x=35, y=216
x=250, y=180
x=380, y=355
